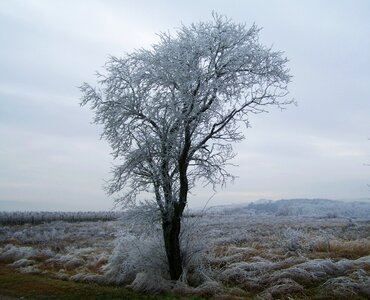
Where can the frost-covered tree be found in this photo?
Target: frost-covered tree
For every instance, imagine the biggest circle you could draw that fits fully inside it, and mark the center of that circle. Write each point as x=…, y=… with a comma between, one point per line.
x=171, y=112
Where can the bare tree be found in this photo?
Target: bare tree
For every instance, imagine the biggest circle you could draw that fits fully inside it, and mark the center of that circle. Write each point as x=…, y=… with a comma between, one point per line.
x=171, y=112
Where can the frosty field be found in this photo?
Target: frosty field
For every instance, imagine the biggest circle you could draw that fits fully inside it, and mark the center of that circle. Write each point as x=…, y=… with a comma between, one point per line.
x=228, y=254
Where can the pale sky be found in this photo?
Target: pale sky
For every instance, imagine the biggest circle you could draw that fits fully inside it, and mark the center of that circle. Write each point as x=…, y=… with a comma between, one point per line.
x=51, y=157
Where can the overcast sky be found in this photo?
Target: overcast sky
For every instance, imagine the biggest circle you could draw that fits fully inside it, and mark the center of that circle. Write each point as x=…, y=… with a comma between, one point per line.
x=51, y=157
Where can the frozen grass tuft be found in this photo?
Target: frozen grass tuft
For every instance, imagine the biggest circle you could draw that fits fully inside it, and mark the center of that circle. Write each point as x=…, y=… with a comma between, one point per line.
x=345, y=287
x=209, y=289
x=292, y=239
x=320, y=267
x=294, y=273
x=11, y=253
x=284, y=287
x=30, y=270
x=68, y=261
x=23, y=262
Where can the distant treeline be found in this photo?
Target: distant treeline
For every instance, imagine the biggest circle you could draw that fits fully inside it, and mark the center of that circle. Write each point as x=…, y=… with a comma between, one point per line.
x=303, y=207
x=38, y=217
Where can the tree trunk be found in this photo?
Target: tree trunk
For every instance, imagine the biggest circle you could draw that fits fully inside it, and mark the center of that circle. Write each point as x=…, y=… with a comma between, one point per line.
x=171, y=230
x=171, y=222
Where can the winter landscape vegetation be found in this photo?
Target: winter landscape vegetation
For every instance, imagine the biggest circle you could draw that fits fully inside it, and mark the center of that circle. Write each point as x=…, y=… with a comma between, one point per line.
x=287, y=249
x=172, y=114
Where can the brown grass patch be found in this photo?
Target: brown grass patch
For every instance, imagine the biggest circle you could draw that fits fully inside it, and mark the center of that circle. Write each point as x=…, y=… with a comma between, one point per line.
x=345, y=249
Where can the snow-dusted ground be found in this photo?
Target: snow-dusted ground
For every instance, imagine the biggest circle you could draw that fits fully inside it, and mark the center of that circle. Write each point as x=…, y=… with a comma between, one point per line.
x=256, y=256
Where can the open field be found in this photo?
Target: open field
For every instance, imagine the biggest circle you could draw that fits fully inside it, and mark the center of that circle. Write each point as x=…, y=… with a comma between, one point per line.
x=229, y=256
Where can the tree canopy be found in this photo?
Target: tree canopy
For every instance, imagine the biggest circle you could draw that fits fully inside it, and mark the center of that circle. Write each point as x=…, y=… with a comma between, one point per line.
x=185, y=98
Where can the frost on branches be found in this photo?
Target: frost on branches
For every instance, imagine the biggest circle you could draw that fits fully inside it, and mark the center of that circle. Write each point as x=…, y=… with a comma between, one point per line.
x=171, y=112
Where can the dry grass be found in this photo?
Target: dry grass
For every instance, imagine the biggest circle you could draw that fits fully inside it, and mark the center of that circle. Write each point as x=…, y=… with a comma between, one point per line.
x=298, y=262
x=342, y=249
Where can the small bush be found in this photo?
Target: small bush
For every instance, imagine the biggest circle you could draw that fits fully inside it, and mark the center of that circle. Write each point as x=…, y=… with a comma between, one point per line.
x=133, y=255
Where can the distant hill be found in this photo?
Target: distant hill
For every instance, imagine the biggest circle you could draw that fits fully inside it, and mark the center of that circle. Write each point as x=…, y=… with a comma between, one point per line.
x=300, y=207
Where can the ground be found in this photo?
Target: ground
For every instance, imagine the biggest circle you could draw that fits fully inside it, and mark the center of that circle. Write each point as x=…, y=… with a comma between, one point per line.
x=14, y=285
x=239, y=256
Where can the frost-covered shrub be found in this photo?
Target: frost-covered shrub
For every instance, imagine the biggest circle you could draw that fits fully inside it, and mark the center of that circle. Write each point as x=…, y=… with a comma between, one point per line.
x=140, y=249
x=132, y=255
x=118, y=269
x=293, y=240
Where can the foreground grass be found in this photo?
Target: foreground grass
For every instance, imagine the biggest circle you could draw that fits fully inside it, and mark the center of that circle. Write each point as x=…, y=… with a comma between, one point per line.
x=28, y=286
